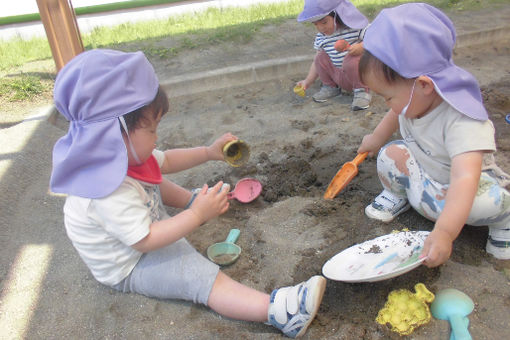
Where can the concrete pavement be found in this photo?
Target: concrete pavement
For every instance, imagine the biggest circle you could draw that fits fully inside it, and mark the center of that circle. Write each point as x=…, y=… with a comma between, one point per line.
x=88, y=22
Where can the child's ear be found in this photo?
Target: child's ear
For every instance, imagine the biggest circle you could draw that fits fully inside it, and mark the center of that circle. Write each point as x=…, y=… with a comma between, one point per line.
x=426, y=84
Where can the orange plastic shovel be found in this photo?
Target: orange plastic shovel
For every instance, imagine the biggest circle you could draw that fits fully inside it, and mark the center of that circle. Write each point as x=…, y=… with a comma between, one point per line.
x=344, y=176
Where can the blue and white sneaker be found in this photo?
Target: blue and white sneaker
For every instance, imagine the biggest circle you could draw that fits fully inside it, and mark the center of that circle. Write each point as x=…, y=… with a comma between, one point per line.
x=387, y=206
x=498, y=243
x=292, y=309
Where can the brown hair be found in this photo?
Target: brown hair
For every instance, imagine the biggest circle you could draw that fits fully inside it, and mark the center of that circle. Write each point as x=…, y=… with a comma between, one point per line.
x=369, y=62
x=159, y=104
x=337, y=18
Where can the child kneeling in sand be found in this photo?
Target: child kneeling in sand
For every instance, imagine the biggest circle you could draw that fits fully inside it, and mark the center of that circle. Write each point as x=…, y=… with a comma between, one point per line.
x=108, y=166
x=337, y=67
x=443, y=167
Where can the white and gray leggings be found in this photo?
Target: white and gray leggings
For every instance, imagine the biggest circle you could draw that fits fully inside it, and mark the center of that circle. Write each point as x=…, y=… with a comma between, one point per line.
x=401, y=174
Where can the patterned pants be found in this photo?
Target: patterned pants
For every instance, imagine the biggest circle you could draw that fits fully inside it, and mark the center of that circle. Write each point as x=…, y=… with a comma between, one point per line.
x=401, y=174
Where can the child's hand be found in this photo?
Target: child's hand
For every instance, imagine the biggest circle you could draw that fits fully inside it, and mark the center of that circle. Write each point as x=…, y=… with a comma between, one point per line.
x=215, y=150
x=210, y=203
x=437, y=248
x=369, y=144
x=356, y=49
x=303, y=83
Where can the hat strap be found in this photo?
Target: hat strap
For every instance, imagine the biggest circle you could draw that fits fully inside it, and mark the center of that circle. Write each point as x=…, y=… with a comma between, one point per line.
x=404, y=110
x=133, y=152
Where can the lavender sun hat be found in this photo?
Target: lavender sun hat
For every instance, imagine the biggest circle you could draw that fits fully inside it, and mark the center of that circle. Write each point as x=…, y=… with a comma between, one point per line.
x=317, y=9
x=92, y=91
x=417, y=39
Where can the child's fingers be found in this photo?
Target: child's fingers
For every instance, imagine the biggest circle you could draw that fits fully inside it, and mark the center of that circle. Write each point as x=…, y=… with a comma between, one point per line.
x=228, y=137
x=432, y=260
x=216, y=188
x=425, y=253
x=435, y=257
x=303, y=84
x=225, y=208
x=204, y=189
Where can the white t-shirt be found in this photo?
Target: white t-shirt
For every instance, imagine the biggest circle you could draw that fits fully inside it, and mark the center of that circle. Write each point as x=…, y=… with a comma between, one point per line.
x=442, y=134
x=103, y=230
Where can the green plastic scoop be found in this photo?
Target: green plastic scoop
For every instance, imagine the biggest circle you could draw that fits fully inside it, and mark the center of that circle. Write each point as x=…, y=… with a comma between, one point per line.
x=225, y=253
x=453, y=305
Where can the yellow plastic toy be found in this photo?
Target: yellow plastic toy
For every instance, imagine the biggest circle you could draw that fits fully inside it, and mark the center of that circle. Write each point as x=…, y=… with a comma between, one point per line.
x=236, y=153
x=406, y=311
x=299, y=90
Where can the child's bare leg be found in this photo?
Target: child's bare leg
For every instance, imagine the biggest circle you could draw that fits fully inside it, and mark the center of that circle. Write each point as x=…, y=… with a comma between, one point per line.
x=237, y=301
x=289, y=309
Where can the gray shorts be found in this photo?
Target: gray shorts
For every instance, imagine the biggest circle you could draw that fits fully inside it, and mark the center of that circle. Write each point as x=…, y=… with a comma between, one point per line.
x=176, y=271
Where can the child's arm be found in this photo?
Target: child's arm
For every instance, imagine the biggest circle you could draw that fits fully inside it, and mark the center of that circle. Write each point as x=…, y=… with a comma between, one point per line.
x=310, y=78
x=464, y=178
x=356, y=49
x=206, y=206
x=181, y=159
x=173, y=195
x=382, y=132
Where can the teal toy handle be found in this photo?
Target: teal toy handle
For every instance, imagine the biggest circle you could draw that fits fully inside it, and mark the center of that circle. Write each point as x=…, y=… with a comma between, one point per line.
x=233, y=235
x=459, y=328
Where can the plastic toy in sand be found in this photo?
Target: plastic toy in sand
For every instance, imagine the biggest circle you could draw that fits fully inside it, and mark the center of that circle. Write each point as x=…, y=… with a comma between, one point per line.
x=341, y=45
x=299, y=90
x=406, y=311
x=236, y=153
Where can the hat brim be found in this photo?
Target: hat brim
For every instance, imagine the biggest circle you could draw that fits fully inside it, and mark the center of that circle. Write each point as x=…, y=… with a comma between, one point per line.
x=347, y=12
x=92, y=91
x=312, y=18
x=464, y=95
x=101, y=162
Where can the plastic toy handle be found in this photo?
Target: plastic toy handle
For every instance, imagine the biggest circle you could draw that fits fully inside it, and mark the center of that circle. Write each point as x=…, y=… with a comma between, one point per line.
x=233, y=235
x=360, y=158
x=459, y=328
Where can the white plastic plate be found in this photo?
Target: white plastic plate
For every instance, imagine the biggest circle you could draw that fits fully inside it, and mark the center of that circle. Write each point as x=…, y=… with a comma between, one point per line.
x=379, y=259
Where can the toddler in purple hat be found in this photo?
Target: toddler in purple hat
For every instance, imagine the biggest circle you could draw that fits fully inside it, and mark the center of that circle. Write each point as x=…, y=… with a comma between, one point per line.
x=444, y=166
x=341, y=29
x=114, y=213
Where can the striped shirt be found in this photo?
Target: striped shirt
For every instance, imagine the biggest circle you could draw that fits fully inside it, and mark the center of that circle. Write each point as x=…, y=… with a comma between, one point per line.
x=327, y=43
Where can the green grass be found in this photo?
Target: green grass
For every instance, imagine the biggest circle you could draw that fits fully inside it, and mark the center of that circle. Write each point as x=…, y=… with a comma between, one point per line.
x=210, y=27
x=207, y=28
x=20, y=88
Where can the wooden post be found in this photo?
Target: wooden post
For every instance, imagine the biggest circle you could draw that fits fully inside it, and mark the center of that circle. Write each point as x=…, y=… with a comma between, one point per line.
x=59, y=21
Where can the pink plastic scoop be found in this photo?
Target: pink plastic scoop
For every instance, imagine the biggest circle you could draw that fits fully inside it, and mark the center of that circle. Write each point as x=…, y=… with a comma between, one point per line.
x=246, y=190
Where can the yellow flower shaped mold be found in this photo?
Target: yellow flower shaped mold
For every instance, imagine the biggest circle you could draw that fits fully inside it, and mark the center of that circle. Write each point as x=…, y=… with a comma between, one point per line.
x=406, y=311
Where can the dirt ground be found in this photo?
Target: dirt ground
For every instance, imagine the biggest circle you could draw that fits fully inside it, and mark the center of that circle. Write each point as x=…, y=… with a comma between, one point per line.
x=289, y=232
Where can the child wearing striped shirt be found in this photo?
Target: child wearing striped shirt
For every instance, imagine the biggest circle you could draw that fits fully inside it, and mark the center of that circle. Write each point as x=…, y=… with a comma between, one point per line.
x=336, y=66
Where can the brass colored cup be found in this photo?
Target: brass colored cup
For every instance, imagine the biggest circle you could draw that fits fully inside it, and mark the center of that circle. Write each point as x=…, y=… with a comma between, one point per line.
x=299, y=90
x=236, y=153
